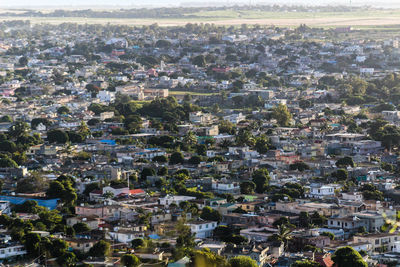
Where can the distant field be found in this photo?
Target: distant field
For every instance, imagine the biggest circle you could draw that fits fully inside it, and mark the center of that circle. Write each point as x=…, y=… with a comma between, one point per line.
x=232, y=17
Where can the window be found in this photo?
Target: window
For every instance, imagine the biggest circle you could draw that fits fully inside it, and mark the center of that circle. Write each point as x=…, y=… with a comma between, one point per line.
x=338, y=223
x=345, y=224
x=377, y=242
x=200, y=227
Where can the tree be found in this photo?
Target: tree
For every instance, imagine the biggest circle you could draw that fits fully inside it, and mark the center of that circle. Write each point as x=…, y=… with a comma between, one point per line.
x=57, y=136
x=261, y=179
x=242, y=261
x=6, y=162
x=344, y=162
x=63, y=110
x=195, y=160
x=304, y=219
x=340, y=175
x=176, y=158
x=207, y=258
x=137, y=243
x=100, y=249
x=199, y=61
x=328, y=234
x=23, y=61
x=160, y=159
x=58, y=247
x=55, y=189
x=35, y=183
x=81, y=227
x=130, y=260
x=67, y=259
x=262, y=144
x=6, y=118
x=222, y=231
x=284, y=235
x=32, y=244
x=300, y=166
x=8, y=146
x=190, y=139
x=147, y=172
x=209, y=214
x=19, y=128
x=305, y=263
x=29, y=206
x=282, y=115
x=305, y=103
x=163, y=171
x=185, y=238
x=348, y=256
x=247, y=187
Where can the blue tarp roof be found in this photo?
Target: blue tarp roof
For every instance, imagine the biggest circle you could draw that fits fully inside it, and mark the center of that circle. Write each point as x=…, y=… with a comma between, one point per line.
x=155, y=236
x=109, y=142
x=47, y=203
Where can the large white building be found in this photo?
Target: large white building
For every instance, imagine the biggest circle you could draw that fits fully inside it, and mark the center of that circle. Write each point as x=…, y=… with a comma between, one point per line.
x=321, y=191
x=235, y=118
x=202, y=229
x=11, y=250
x=224, y=187
x=106, y=96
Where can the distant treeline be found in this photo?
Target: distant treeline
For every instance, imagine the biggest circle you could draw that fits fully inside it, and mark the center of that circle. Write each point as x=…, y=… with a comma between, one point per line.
x=178, y=12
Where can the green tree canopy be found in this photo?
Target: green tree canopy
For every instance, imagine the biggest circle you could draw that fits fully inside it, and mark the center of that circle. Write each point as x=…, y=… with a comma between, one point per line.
x=348, y=256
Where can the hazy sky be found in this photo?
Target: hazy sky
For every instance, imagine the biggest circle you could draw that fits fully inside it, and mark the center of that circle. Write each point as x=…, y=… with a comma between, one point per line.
x=74, y=3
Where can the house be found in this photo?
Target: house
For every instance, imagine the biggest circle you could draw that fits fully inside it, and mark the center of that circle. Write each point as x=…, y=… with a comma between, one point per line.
x=380, y=242
x=390, y=115
x=259, y=253
x=102, y=211
x=200, y=117
x=168, y=200
x=106, y=96
x=202, y=229
x=374, y=220
x=321, y=191
x=92, y=221
x=225, y=187
x=350, y=224
x=81, y=244
x=126, y=235
x=235, y=118
x=11, y=249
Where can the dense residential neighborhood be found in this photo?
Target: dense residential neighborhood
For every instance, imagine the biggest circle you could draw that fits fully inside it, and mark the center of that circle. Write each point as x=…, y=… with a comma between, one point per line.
x=198, y=145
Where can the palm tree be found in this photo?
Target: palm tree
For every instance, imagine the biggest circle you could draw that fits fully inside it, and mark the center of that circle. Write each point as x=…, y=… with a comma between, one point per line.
x=284, y=235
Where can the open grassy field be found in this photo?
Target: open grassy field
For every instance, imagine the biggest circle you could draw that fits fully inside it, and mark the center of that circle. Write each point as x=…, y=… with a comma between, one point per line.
x=232, y=17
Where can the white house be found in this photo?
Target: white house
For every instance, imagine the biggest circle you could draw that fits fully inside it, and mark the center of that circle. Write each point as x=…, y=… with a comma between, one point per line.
x=168, y=200
x=235, y=118
x=125, y=236
x=321, y=191
x=116, y=190
x=106, y=96
x=223, y=187
x=11, y=250
x=202, y=229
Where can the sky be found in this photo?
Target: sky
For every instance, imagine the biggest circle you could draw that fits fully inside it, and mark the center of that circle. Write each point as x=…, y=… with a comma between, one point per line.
x=153, y=3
